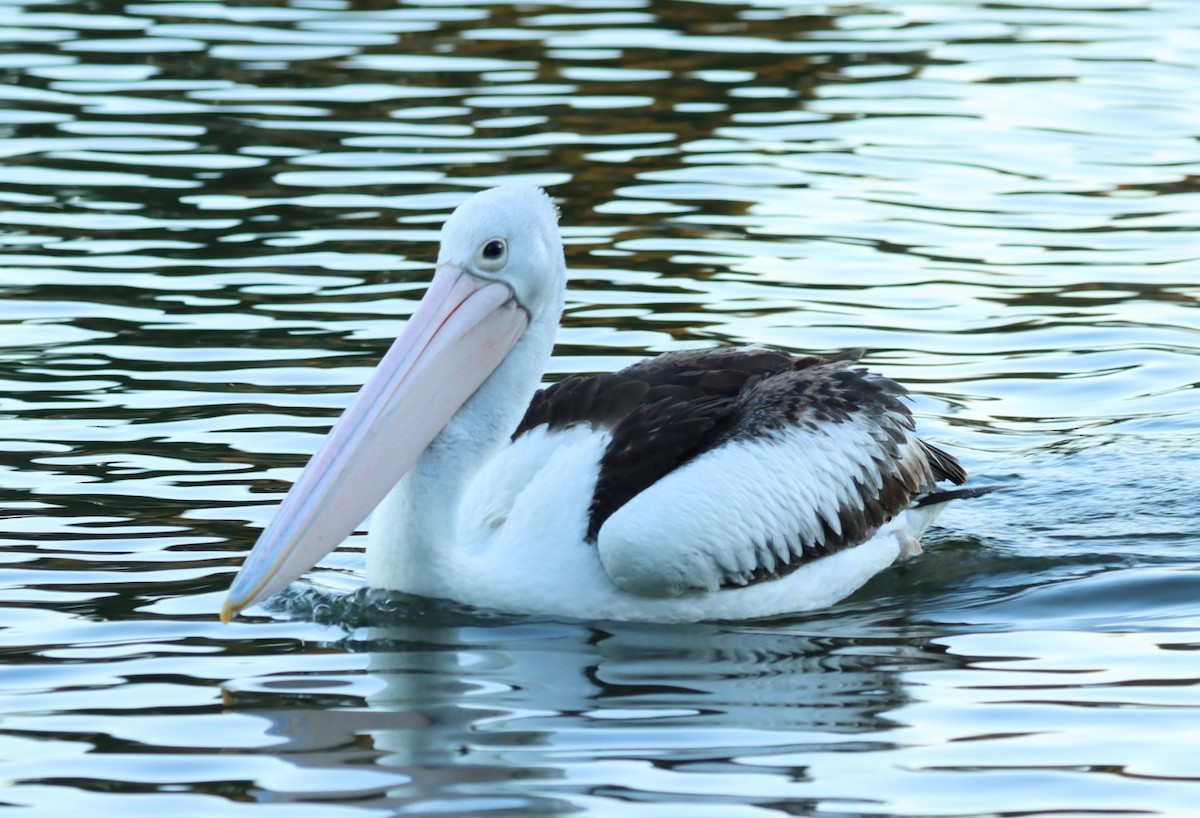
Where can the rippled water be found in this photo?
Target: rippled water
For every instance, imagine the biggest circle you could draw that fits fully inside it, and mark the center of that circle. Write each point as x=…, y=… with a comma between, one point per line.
x=214, y=217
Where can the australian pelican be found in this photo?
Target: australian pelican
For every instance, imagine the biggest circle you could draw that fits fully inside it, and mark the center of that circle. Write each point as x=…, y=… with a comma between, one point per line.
x=709, y=484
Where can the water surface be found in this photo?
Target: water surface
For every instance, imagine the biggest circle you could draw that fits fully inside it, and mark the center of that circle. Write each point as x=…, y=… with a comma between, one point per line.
x=215, y=217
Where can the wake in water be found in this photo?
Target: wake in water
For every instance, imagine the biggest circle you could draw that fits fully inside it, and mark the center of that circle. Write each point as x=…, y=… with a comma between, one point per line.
x=371, y=608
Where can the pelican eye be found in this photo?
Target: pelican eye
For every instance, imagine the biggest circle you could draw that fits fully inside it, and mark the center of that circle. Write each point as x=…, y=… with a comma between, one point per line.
x=492, y=254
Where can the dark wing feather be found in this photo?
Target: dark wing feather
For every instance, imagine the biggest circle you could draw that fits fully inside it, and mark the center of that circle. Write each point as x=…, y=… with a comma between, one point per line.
x=650, y=442
x=665, y=411
x=821, y=395
x=662, y=411
x=604, y=401
x=945, y=466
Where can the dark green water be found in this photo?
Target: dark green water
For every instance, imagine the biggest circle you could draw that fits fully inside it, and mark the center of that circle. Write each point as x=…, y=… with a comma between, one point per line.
x=213, y=219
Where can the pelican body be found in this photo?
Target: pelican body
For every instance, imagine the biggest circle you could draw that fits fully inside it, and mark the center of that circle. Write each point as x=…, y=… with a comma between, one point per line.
x=726, y=483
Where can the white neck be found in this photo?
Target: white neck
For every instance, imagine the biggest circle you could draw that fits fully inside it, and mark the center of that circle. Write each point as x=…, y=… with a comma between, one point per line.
x=418, y=519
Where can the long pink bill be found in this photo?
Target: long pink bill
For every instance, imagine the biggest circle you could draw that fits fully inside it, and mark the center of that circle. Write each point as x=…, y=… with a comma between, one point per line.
x=460, y=333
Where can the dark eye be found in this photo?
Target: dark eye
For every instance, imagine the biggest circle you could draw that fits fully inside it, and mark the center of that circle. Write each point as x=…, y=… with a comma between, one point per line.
x=492, y=255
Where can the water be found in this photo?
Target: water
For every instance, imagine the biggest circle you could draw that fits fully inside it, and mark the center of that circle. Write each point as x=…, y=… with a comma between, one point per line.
x=214, y=217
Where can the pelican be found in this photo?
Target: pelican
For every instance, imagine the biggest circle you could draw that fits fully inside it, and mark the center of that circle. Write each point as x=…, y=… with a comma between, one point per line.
x=713, y=484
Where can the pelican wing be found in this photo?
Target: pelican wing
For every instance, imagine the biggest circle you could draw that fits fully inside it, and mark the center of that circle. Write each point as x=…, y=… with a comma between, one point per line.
x=657, y=414
x=721, y=476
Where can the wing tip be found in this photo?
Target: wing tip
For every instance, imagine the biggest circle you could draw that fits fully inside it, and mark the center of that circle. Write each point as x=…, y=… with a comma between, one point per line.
x=937, y=497
x=945, y=465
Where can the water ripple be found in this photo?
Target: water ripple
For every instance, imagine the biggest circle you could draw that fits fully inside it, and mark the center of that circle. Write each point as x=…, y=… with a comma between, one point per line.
x=215, y=217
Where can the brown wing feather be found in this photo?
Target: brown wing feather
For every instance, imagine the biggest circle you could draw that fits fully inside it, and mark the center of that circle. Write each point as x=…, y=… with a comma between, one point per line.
x=605, y=400
x=665, y=411
x=826, y=393
x=650, y=442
